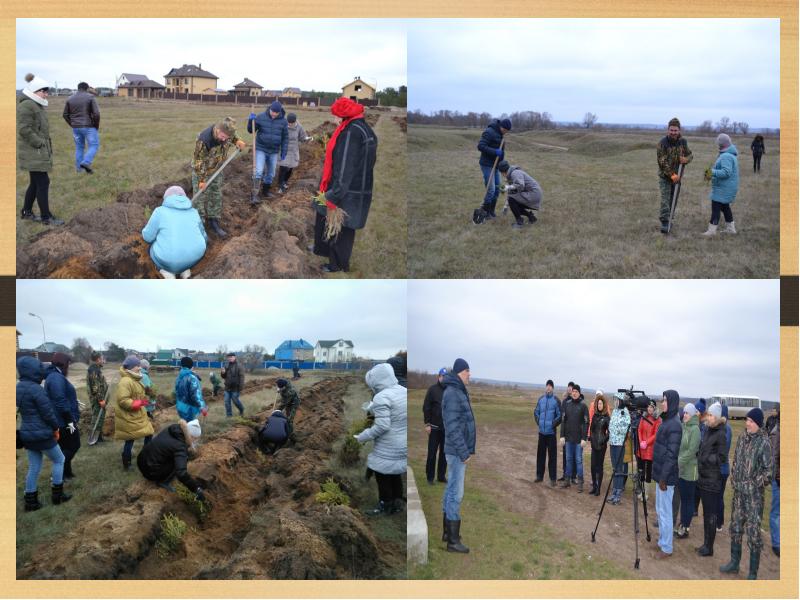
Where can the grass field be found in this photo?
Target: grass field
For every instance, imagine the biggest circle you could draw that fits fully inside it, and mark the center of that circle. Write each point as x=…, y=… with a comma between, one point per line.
x=533, y=532
x=599, y=216
x=146, y=143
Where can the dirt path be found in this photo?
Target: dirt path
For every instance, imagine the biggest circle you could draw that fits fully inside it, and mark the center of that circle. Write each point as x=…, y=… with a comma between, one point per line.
x=265, y=522
x=510, y=453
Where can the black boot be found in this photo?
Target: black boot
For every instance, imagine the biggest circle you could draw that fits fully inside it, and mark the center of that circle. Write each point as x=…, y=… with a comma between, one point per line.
x=599, y=484
x=218, y=231
x=709, y=533
x=58, y=494
x=32, y=501
x=665, y=227
x=531, y=217
x=383, y=508
x=454, y=538
x=736, y=556
x=126, y=463
x=265, y=190
x=254, y=198
x=445, y=537
x=28, y=214
x=755, y=558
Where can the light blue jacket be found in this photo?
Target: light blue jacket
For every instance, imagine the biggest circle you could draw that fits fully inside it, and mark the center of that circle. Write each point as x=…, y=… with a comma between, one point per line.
x=177, y=235
x=618, y=427
x=725, y=176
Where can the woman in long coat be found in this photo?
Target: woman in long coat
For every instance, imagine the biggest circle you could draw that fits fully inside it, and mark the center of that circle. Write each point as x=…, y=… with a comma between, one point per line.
x=130, y=417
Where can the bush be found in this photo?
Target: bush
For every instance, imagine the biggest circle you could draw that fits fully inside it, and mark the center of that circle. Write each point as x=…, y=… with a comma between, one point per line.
x=332, y=494
x=172, y=530
x=350, y=452
x=199, y=508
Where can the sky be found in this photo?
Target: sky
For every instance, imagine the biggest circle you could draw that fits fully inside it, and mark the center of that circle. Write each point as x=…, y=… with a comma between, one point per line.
x=204, y=314
x=699, y=337
x=320, y=54
x=643, y=71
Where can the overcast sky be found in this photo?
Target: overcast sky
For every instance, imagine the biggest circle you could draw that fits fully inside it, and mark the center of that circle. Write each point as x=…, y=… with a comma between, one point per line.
x=323, y=54
x=623, y=70
x=698, y=337
x=202, y=314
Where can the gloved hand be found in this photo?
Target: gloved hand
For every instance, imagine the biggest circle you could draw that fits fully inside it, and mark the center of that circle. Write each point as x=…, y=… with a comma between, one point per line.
x=102, y=403
x=499, y=152
x=137, y=404
x=202, y=185
x=241, y=145
x=204, y=411
x=675, y=178
x=251, y=117
x=283, y=155
x=583, y=443
x=428, y=429
x=199, y=494
x=71, y=427
x=562, y=441
x=57, y=434
x=707, y=174
x=511, y=189
x=643, y=445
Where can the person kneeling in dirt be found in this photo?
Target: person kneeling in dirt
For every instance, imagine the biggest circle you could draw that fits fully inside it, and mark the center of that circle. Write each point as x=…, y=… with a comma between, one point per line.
x=524, y=193
x=289, y=403
x=176, y=235
x=274, y=433
x=390, y=447
x=165, y=457
x=210, y=151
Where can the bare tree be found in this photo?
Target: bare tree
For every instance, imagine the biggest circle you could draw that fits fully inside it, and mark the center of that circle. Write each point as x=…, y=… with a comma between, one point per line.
x=222, y=351
x=724, y=125
x=705, y=127
x=589, y=119
x=81, y=350
x=744, y=127
x=252, y=357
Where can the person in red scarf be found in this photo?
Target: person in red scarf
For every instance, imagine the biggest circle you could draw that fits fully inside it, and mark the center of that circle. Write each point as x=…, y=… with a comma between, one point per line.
x=346, y=184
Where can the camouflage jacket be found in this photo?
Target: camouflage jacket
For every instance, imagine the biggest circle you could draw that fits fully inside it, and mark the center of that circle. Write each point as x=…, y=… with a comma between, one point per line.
x=96, y=382
x=209, y=153
x=752, y=462
x=668, y=155
x=289, y=398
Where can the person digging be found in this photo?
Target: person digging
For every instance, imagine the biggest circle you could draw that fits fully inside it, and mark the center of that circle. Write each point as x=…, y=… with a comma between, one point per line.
x=671, y=153
x=210, y=152
x=524, y=193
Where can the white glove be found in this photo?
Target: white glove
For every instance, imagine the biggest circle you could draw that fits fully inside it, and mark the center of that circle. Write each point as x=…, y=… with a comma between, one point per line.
x=71, y=427
x=503, y=189
x=583, y=443
x=510, y=189
x=309, y=139
x=562, y=441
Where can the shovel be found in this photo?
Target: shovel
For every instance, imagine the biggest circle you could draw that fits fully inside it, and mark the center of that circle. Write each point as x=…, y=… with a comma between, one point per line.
x=95, y=433
x=210, y=179
x=676, y=190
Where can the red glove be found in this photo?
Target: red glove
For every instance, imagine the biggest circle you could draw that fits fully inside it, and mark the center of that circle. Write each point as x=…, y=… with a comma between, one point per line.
x=330, y=205
x=57, y=434
x=137, y=404
x=204, y=412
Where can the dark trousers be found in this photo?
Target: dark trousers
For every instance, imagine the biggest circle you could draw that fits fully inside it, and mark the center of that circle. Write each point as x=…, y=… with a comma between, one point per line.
x=390, y=487
x=716, y=207
x=70, y=443
x=39, y=190
x=283, y=175
x=432, y=465
x=127, y=447
x=337, y=250
x=598, y=459
x=518, y=210
x=645, y=468
x=710, y=502
x=687, y=490
x=756, y=163
x=721, y=503
x=546, y=450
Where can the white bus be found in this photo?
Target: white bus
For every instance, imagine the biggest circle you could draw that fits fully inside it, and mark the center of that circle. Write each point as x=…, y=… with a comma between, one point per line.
x=738, y=406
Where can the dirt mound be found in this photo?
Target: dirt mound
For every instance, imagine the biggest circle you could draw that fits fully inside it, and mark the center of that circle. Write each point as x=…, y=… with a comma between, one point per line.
x=268, y=241
x=265, y=522
x=402, y=123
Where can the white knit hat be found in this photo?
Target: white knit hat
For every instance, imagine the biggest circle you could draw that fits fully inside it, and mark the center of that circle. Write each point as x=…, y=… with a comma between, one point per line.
x=36, y=83
x=174, y=190
x=723, y=141
x=194, y=428
x=715, y=409
x=690, y=410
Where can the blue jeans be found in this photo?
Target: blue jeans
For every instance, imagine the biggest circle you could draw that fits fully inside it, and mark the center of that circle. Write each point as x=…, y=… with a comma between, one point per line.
x=270, y=161
x=664, y=512
x=84, y=136
x=127, y=449
x=687, y=490
x=454, y=490
x=619, y=465
x=232, y=396
x=493, y=189
x=775, y=516
x=35, y=467
x=574, y=452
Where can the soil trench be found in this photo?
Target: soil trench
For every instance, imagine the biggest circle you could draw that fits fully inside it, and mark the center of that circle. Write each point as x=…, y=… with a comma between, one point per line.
x=265, y=522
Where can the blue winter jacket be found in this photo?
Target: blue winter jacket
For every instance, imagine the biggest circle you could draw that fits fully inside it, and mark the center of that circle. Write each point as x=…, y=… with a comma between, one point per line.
x=276, y=429
x=272, y=135
x=725, y=176
x=668, y=442
x=547, y=414
x=459, y=421
x=38, y=420
x=177, y=235
x=188, y=395
x=62, y=396
x=490, y=141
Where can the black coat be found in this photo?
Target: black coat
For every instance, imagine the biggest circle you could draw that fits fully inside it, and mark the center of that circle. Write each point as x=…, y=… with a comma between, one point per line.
x=167, y=455
x=489, y=142
x=712, y=455
x=668, y=442
x=234, y=377
x=598, y=431
x=38, y=419
x=81, y=111
x=575, y=420
x=432, y=406
x=350, y=187
x=399, y=365
x=275, y=430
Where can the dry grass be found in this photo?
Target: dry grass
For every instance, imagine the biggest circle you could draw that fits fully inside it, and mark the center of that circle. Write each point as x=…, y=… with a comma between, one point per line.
x=599, y=216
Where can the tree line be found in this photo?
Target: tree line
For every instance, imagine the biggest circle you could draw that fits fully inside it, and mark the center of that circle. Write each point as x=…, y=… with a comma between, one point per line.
x=522, y=120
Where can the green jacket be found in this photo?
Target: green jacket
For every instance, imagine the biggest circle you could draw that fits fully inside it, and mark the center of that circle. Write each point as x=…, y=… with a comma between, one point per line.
x=34, y=148
x=752, y=463
x=690, y=444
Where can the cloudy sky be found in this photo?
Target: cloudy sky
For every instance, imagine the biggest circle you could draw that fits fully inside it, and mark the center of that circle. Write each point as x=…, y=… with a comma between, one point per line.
x=624, y=70
x=698, y=337
x=323, y=54
x=201, y=315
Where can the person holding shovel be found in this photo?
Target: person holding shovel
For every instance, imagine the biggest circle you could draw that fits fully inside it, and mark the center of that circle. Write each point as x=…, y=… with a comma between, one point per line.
x=98, y=387
x=210, y=151
x=491, y=149
x=672, y=152
x=272, y=142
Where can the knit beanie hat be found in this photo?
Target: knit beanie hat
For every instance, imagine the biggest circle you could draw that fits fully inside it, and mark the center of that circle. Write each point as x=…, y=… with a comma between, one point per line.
x=276, y=106
x=598, y=393
x=575, y=386
x=187, y=362
x=131, y=362
x=174, y=190
x=36, y=83
x=690, y=409
x=503, y=166
x=715, y=409
x=281, y=383
x=723, y=141
x=460, y=365
x=505, y=124
x=291, y=117
x=194, y=428
x=443, y=371
x=700, y=405
x=550, y=383
x=145, y=363
x=757, y=415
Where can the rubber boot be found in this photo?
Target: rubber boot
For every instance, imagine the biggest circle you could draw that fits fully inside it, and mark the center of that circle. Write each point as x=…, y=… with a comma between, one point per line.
x=382, y=509
x=445, y=537
x=580, y=485
x=566, y=483
x=736, y=556
x=126, y=463
x=32, y=501
x=454, y=538
x=664, y=227
x=709, y=532
x=594, y=484
x=254, y=197
x=215, y=227
x=755, y=558
x=728, y=227
x=711, y=231
x=58, y=494
x=265, y=190
x=599, y=484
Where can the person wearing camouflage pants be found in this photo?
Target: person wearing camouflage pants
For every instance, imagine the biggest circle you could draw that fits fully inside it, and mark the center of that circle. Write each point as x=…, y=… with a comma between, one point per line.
x=672, y=151
x=289, y=403
x=97, y=386
x=210, y=151
x=751, y=473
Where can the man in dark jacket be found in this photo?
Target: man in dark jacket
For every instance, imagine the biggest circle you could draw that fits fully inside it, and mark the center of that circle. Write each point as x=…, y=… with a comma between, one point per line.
x=346, y=184
x=274, y=433
x=567, y=397
x=773, y=429
x=665, y=468
x=491, y=154
x=459, y=446
x=234, y=382
x=399, y=365
x=672, y=151
x=272, y=141
x=574, y=432
x=548, y=417
x=432, y=410
x=167, y=455
x=65, y=403
x=82, y=114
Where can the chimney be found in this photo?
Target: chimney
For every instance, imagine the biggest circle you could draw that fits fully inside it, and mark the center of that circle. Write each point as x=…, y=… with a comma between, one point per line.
x=200, y=66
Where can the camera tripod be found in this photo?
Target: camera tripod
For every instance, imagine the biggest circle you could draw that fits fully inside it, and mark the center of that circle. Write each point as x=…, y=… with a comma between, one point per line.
x=638, y=492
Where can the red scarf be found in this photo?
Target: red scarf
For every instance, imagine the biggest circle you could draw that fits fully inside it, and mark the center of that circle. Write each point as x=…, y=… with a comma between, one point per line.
x=348, y=110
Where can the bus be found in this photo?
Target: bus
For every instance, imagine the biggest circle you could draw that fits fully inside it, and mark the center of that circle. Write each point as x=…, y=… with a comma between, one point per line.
x=738, y=406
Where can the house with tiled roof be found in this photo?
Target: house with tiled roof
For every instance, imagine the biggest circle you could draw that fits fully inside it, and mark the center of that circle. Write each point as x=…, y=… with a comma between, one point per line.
x=358, y=89
x=247, y=87
x=333, y=351
x=191, y=79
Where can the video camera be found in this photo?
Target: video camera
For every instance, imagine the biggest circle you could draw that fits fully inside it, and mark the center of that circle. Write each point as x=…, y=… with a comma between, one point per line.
x=634, y=399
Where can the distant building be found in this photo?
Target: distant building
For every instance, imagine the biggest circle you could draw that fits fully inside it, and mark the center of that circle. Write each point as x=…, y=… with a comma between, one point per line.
x=142, y=88
x=333, y=351
x=294, y=350
x=189, y=79
x=291, y=92
x=215, y=92
x=162, y=358
x=272, y=93
x=52, y=347
x=127, y=78
x=358, y=89
x=248, y=87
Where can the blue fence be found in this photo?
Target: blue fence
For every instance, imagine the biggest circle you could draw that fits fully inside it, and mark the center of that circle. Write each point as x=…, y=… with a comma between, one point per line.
x=289, y=364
